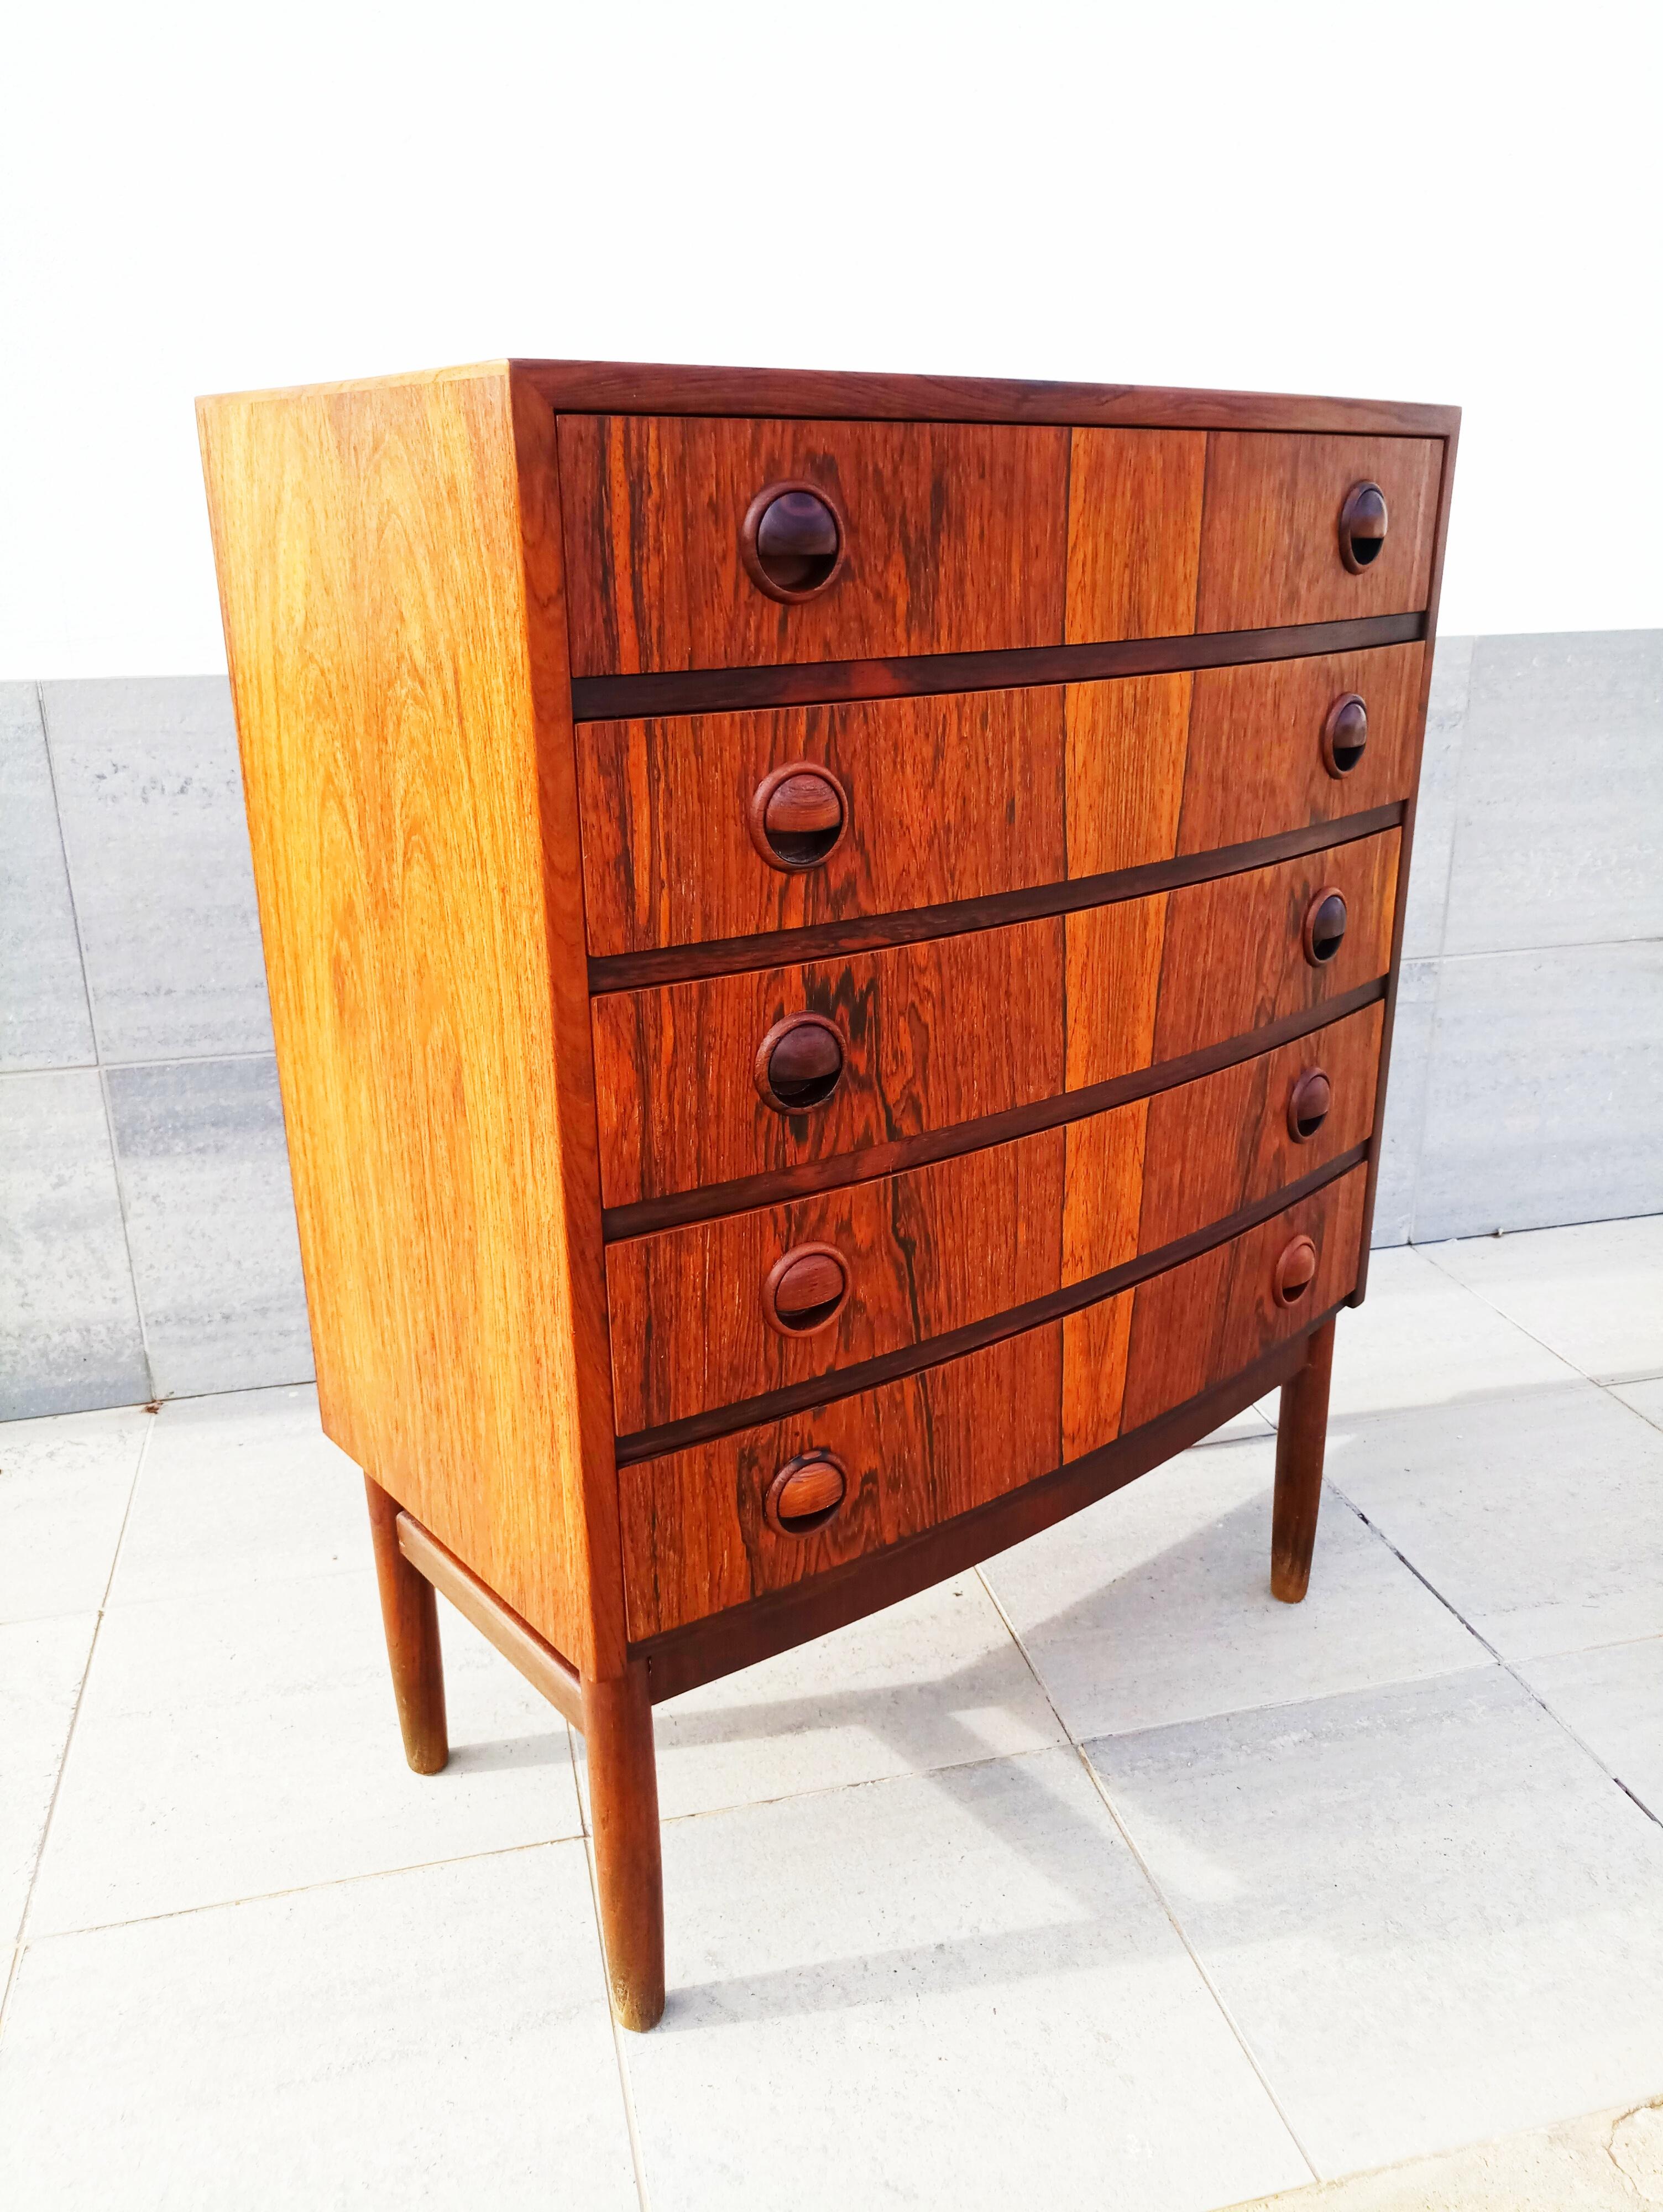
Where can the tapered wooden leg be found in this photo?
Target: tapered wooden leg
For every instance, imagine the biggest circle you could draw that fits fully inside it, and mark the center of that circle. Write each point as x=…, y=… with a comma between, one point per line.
x=409, y=1614
x=1300, y=1437
x=624, y=1805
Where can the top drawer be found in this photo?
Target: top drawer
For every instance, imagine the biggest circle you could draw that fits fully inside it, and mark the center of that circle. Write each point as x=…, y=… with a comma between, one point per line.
x=1273, y=547
x=946, y=537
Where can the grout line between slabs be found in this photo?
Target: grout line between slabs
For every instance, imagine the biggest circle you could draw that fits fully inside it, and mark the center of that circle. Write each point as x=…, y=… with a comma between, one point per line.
x=1430, y=1252
x=23, y=1937
x=1148, y=1873
x=1505, y=1664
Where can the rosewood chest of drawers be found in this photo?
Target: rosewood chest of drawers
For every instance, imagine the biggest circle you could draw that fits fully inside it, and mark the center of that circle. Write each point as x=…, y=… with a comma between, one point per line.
x=832, y=944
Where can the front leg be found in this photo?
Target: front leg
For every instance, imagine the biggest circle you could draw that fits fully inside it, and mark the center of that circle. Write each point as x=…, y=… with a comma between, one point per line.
x=623, y=1808
x=1301, y=1437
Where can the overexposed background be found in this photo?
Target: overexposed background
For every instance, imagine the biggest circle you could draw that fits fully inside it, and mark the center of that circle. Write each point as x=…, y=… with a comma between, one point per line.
x=1431, y=201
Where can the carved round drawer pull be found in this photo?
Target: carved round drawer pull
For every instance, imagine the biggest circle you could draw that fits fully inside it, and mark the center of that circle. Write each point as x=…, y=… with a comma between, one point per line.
x=1361, y=526
x=1308, y=1104
x=1344, y=734
x=1295, y=1271
x=805, y=1493
x=806, y=1290
x=798, y=816
x=1325, y=926
x=792, y=541
x=799, y=1063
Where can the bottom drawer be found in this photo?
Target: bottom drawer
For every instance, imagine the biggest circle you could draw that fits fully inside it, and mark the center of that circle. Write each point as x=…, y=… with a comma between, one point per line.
x=712, y=1527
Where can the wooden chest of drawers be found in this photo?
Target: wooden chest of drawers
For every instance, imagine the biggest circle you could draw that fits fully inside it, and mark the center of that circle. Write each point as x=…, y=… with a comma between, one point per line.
x=831, y=945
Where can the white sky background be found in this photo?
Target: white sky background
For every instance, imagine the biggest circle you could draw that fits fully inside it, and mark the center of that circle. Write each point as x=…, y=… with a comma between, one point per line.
x=1447, y=202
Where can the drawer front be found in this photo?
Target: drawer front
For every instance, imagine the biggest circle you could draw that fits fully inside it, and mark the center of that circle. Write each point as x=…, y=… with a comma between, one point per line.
x=1276, y=746
x=699, y=1536
x=1202, y=1323
x=1271, y=530
x=929, y=1035
x=687, y=830
x=950, y=537
x=1236, y=953
x=687, y=835
x=717, y=1312
x=697, y=1315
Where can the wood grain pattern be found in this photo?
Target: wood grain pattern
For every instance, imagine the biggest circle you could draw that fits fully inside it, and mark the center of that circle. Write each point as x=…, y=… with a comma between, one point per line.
x=607, y=387
x=1254, y=761
x=955, y=539
x=1134, y=532
x=1217, y=1145
x=927, y=1252
x=1301, y=1440
x=529, y=1654
x=1232, y=960
x=384, y=557
x=918, y=1452
x=1114, y=957
x=950, y=797
x=1270, y=547
x=1198, y=1323
x=936, y=1033
x=411, y=1620
x=1127, y=747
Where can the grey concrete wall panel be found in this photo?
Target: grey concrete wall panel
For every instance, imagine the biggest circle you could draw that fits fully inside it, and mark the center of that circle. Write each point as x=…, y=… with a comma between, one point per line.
x=70, y=1335
x=1543, y=1090
x=43, y=1022
x=150, y=796
x=1561, y=794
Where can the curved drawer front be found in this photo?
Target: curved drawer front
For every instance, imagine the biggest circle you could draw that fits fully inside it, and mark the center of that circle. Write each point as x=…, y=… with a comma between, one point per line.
x=951, y=537
x=695, y=1318
x=923, y=801
x=1272, y=536
x=928, y=1035
x=698, y=1533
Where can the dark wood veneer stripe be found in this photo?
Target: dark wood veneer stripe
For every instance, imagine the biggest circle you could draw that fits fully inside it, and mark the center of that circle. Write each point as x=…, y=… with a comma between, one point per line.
x=910, y=1358
x=823, y=682
x=703, y=1650
x=652, y=387
x=710, y=1201
x=780, y=948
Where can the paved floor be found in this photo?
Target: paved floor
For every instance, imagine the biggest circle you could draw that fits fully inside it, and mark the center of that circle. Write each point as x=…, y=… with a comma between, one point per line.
x=1097, y=1878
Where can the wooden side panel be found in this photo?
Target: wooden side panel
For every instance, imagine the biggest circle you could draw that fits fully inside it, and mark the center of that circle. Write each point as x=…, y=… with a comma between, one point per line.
x=925, y=1252
x=916, y=1452
x=403, y=760
x=951, y=797
x=1269, y=534
x=1134, y=532
x=955, y=539
x=934, y=1033
x=1233, y=959
x=1255, y=766
x=1126, y=743
x=1224, y=1142
x=1204, y=1321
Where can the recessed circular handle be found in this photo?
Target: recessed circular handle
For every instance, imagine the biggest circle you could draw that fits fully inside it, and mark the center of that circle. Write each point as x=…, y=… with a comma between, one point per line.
x=1344, y=733
x=805, y=1290
x=792, y=541
x=1295, y=1272
x=1325, y=925
x=798, y=816
x=1361, y=526
x=799, y=1063
x=805, y=1493
x=1308, y=1102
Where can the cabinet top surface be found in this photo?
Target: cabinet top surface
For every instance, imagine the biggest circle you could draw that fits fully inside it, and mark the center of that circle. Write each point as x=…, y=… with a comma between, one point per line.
x=660, y=388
